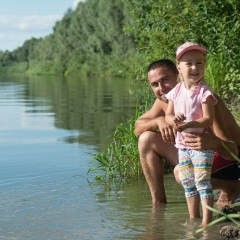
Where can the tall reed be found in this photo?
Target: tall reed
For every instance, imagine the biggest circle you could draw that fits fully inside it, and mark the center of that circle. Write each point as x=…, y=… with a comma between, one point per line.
x=121, y=159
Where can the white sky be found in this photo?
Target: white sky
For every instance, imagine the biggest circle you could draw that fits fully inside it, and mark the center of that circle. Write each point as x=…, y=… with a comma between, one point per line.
x=21, y=20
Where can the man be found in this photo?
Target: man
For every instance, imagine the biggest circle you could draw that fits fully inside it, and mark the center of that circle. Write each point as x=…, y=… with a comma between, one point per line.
x=156, y=140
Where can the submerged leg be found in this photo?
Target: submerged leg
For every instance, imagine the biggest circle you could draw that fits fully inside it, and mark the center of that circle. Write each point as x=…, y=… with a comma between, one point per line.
x=187, y=178
x=202, y=161
x=151, y=150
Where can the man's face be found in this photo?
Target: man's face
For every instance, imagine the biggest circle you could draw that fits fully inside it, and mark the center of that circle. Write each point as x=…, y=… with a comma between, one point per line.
x=162, y=80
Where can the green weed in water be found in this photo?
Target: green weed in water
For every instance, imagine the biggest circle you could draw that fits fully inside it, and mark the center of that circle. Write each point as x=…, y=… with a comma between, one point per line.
x=121, y=159
x=225, y=216
x=231, y=217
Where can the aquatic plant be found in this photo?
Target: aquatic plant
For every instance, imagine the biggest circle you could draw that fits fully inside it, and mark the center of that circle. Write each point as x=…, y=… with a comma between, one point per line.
x=231, y=217
x=226, y=213
x=121, y=158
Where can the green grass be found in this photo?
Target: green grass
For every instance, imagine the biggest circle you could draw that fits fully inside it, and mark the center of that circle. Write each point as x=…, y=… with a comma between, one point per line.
x=121, y=159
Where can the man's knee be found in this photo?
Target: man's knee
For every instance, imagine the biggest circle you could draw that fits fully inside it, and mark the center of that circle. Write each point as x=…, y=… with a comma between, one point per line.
x=176, y=174
x=145, y=139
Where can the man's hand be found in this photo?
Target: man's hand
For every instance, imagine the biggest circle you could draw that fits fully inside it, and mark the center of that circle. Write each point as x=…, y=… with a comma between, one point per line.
x=167, y=132
x=200, y=141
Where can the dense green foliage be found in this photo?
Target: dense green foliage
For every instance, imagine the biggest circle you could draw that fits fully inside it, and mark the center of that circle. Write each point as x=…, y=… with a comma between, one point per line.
x=121, y=158
x=88, y=40
x=159, y=27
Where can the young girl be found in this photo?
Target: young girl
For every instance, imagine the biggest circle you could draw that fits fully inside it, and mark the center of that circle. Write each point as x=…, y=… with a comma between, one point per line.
x=191, y=109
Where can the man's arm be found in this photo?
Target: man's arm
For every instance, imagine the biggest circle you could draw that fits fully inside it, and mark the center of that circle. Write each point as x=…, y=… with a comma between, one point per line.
x=208, y=140
x=230, y=122
x=223, y=134
x=149, y=120
x=154, y=120
x=218, y=139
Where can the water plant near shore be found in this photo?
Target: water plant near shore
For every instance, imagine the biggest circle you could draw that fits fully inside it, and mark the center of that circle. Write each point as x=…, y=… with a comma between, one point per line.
x=121, y=157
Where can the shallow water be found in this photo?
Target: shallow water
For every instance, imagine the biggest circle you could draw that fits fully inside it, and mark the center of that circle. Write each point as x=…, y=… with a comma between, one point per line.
x=49, y=131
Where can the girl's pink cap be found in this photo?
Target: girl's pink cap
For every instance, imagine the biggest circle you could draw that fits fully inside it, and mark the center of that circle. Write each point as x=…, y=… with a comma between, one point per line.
x=187, y=46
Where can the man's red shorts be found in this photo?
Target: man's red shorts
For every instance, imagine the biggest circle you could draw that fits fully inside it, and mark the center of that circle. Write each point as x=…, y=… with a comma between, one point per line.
x=225, y=169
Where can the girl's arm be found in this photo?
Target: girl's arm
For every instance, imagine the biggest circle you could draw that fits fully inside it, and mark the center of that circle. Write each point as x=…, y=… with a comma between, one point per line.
x=170, y=114
x=174, y=120
x=206, y=120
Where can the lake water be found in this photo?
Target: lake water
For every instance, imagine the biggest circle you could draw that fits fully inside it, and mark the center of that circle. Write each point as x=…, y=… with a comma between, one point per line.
x=50, y=129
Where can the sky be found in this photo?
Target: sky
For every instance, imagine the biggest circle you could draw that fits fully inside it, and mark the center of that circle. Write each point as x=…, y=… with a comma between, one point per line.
x=21, y=20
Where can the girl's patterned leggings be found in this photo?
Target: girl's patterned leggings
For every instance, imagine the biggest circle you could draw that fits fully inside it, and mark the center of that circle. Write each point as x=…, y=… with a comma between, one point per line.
x=194, y=172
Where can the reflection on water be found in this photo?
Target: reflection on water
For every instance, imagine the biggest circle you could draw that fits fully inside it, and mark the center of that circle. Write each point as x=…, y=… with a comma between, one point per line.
x=130, y=215
x=49, y=131
x=91, y=105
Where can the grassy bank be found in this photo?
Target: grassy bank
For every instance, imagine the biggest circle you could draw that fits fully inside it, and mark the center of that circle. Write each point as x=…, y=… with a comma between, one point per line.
x=120, y=158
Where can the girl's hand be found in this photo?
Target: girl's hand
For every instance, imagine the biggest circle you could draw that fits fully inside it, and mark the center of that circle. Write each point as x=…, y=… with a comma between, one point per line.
x=181, y=127
x=178, y=120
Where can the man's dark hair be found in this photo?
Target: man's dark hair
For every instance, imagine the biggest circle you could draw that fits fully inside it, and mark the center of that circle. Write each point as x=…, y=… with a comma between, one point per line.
x=163, y=63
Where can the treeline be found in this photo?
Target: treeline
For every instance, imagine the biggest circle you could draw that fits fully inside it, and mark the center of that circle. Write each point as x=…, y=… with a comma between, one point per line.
x=161, y=26
x=87, y=40
x=105, y=36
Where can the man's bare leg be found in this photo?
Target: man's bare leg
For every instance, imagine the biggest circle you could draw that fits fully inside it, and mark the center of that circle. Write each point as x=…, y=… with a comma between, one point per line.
x=151, y=149
x=230, y=189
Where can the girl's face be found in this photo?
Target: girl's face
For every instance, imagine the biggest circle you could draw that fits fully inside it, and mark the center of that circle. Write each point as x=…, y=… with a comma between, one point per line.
x=191, y=66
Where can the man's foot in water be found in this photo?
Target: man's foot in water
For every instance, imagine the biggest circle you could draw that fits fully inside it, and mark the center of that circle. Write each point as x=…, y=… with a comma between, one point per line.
x=230, y=195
